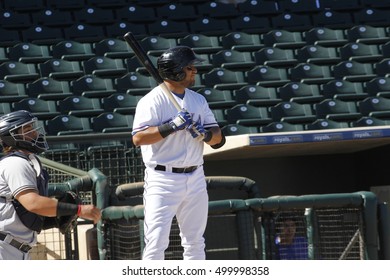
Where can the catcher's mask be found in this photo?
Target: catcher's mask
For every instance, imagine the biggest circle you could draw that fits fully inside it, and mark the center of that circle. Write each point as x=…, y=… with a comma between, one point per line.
x=171, y=63
x=20, y=129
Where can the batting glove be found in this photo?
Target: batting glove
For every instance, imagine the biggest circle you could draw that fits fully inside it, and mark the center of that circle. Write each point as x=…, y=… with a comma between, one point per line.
x=198, y=131
x=182, y=120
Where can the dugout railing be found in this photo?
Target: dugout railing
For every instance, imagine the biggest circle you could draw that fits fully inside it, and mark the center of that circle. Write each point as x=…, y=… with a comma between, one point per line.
x=337, y=227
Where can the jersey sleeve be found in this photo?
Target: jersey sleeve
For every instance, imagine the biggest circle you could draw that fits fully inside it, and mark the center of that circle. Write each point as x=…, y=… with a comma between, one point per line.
x=20, y=175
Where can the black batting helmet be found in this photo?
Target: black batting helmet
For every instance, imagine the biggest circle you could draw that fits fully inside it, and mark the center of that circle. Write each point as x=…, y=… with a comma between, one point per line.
x=10, y=136
x=171, y=63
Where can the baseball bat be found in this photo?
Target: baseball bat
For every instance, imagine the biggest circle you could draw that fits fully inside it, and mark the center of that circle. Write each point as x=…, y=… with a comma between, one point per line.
x=148, y=64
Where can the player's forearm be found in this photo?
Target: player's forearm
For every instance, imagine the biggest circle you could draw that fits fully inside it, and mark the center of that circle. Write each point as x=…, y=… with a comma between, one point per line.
x=148, y=136
x=38, y=204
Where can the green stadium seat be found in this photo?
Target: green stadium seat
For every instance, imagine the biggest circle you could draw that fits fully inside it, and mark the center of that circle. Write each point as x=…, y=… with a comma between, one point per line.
x=236, y=129
x=360, y=52
x=218, y=98
x=247, y=115
x=292, y=112
x=68, y=125
x=72, y=50
x=120, y=103
x=233, y=60
x=375, y=106
x=326, y=124
x=300, y=93
x=201, y=44
x=92, y=86
x=47, y=88
x=134, y=83
x=275, y=57
x=104, y=67
x=112, y=122
x=353, y=71
x=318, y=55
x=42, y=109
x=222, y=79
x=379, y=86
x=282, y=127
x=344, y=90
x=367, y=34
x=264, y=75
x=18, y=72
x=80, y=106
x=11, y=92
x=113, y=48
x=29, y=53
x=311, y=73
x=257, y=95
x=337, y=110
x=326, y=37
x=156, y=45
x=241, y=41
x=61, y=69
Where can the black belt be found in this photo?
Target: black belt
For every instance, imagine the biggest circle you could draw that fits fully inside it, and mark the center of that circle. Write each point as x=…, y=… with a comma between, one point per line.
x=18, y=245
x=188, y=169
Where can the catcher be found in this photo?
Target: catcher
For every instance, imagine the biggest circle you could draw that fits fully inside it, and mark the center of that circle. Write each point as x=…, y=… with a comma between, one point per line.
x=25, y=208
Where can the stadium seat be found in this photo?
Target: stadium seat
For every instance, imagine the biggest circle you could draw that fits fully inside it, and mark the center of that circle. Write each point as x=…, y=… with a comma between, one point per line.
x=3, y=55
x=251, y=24
x=382, y=68
x=29, y=53
x=42, y=109
x=291, y=21
x=241, y=41
x=375, y=106
x=68, y=125
x=115, y=4
x=283, y=39
x=233, y=60
x=257, y=95
x=300, y=93
x=259, y=8
x=379, y=86
x=376, y=3
x=136, y=14
x=236, y=129
x=118, y=29
x=369, y=121
x=104, y=67
x=60, y=69
x=326, y=124
x=80, y=106
x=220, y=117
x=42, y=35
x=367, y=34
x=337, y=110
x=372, y=16
x=18, y=72
x=94, y=16
x=65, y=5
x=311, y=73
x=336, y=5
x=318, y=55
x=299, y=6
x=92, y=86
x=208, y=26
x=113, y=48
x=292, y=112
x=360, y=52
x=168, y=28
x=275, y=57
x=156, y=45
x=72, y=50
x=218, y=98
x=23, y=6
x=247, y=115
x=120, y=103
x=221, y=78
x=344, y=90
x=5, y=108
x=112, y=122
x=214, y=9
x=282, y=127
x=333, y=19
x=134, y=83
x=84, y=33
x=325, y=37
x=52, y=18
x=177, y=12
x=11, y=92
x=133, y=64
x=9, y=37
x=353, y=71
x=264, y=75
x=47, y=88
x=14, y=20
x=201, y=44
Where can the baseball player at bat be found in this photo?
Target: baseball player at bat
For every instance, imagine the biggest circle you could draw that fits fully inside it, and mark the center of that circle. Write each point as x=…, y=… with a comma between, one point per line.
x=25, y=208
x=175, y=183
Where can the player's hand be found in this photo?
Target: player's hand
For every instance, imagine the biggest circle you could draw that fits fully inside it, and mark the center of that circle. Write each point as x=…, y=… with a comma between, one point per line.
x=197, y=131
x=182, y=120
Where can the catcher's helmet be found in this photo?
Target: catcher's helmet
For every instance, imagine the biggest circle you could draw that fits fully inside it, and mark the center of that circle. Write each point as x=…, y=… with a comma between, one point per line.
x=171, y=63
x=33, y=140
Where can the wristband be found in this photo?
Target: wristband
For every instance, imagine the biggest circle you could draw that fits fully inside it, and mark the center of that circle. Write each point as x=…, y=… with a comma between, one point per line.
x=207, y=136
x=165, y=130
x=220, y=144
x=78, y=210
x=66, y=209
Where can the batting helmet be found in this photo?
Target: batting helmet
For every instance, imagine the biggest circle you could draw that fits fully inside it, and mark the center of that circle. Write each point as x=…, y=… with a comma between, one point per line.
x=33, y=140
x=171, y=63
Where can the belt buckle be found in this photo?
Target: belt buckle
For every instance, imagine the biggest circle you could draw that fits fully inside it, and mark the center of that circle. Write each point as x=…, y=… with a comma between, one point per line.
x=24, y=247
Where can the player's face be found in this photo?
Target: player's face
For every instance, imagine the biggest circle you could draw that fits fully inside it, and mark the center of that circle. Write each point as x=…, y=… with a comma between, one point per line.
x=191, y=72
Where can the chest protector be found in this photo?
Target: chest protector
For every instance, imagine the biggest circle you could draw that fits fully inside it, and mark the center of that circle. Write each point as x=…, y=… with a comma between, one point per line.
x=31, y=220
